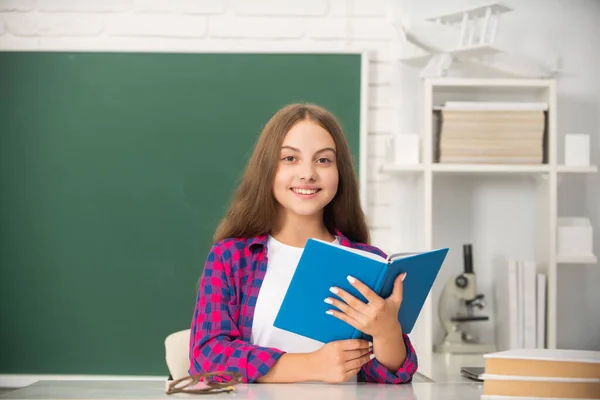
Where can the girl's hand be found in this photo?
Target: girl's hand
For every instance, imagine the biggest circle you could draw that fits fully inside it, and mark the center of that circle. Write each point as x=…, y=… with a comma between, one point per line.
x=338, y=361
x=378, y=317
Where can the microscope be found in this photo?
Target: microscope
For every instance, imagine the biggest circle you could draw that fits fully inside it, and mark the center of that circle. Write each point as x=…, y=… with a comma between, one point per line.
x=462, y=287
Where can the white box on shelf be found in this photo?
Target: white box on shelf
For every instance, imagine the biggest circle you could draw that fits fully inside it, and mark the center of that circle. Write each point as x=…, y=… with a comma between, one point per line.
x=406, y=149
x=577, y=150
x=574, y=237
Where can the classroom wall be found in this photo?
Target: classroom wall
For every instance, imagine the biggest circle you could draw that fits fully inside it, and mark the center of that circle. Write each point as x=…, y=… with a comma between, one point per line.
x=539, y=27
x=223, y=25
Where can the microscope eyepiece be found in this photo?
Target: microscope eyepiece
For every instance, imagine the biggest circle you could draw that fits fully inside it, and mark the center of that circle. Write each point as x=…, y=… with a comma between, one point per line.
x=468, y=258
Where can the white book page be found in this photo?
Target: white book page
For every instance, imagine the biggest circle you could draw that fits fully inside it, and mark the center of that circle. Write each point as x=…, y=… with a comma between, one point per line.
x=397, y=256
x=565, y=355
x=357, y=251
x=536, y=378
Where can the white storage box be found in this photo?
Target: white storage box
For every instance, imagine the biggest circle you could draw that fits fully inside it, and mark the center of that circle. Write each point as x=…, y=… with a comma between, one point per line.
x=406, y=148
x=574, y=237
x=577, y=150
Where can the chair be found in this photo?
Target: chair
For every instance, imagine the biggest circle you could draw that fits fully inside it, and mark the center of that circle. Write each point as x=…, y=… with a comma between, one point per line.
x=177, y=353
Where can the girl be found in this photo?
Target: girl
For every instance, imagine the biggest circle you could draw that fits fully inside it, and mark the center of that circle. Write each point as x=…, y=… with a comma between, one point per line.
x=299, y=183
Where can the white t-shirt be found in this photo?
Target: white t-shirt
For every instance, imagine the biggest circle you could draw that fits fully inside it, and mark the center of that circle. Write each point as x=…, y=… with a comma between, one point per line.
x=282, y=262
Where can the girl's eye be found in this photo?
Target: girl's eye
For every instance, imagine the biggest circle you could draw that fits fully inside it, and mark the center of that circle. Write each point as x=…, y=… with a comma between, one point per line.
x=289, y=158
x=324, y=160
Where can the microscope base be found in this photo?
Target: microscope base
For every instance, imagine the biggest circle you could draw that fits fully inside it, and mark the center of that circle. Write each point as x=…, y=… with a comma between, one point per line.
x=464, y=348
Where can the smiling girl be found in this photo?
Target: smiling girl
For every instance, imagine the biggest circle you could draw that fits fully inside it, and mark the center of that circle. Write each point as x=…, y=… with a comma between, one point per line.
x=299, y=184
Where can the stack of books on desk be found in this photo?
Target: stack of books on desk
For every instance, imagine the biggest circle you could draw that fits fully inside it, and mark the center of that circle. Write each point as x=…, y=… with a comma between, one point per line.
x=491, y=132
x=542, y=373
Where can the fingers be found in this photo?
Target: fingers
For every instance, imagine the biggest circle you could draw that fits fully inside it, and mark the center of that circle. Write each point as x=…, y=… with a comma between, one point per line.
x=350, y=355
x=396, y=295
x=346, y=309
x=351, y=373
x=349, y=299
x=357, y=363
x=354, y=344
x=346, y=318
x=370, y=295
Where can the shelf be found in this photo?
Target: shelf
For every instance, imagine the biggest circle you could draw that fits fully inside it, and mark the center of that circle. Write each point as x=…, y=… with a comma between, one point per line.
x=491, y=168
x=499, y=107
x=402, y=168
x=486, y=168
x=490, y=83
x=564, y=169
x=467, y=168
x=590, y=259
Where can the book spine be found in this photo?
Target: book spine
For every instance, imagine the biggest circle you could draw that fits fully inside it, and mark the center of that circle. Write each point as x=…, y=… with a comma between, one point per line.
x=381, y=279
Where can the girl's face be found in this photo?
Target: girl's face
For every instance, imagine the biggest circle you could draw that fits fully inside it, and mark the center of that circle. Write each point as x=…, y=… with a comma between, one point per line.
x=307, y=175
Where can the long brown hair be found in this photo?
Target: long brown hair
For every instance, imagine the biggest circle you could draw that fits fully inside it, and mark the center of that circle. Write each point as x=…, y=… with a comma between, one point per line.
x=253, y=209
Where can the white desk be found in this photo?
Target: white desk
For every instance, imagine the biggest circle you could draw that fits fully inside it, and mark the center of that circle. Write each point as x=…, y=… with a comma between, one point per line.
x=154, y=390
x=445, y=383
x=445, y=368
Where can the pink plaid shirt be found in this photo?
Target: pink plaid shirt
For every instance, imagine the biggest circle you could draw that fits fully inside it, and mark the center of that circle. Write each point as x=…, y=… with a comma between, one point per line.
x=222, y=321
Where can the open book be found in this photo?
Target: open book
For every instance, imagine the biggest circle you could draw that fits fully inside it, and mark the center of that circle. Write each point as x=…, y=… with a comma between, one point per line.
x=324, y=265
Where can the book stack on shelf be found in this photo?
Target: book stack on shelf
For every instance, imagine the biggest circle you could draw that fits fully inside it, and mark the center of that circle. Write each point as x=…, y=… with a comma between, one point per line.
x=542, y=373
x=520, y=306
x=491, y=132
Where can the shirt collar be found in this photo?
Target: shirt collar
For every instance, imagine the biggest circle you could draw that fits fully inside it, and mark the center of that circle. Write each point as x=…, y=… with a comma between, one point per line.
x=260, y=240
x=344, y=241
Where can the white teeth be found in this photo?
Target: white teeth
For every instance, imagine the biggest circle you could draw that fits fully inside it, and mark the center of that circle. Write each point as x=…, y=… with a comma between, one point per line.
x=305, y=191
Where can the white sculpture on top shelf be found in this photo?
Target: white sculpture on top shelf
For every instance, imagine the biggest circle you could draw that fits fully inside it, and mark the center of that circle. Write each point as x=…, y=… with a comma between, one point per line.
x=465, y=36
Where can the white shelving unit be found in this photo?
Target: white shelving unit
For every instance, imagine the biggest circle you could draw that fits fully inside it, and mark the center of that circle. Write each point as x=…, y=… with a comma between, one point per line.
x=487, y=168
x=454, y=204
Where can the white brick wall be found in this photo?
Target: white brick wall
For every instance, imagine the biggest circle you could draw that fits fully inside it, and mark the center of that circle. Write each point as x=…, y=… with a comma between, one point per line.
x=380, y=97
x=209, y=25
x=53, y=25
x=17, y=5
x=257, y=27
x=371, y=28
x=384, y=239
x=327, y=28
x=365, y=8
x=381, y=120
x=380, y=74
x=206, y=7
x=168, y=26
x=78, y=6
x=281, y=8
x=369, y=8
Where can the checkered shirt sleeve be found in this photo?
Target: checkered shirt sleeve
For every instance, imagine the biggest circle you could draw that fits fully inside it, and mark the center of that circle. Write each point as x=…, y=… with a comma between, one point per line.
x=373, y=371
x=216, y=339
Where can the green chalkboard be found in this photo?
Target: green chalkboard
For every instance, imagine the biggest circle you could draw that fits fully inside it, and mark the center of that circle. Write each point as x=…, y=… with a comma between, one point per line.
x=115, y=169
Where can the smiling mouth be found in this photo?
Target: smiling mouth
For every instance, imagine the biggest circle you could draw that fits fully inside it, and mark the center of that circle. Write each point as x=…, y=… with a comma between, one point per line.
x=305, y=191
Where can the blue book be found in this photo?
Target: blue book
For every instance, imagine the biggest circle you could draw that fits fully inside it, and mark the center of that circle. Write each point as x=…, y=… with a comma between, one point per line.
x=323, y=265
